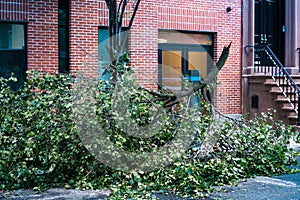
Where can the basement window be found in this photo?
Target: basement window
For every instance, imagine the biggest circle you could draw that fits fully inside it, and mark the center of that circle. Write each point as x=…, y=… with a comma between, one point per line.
x=254, y=101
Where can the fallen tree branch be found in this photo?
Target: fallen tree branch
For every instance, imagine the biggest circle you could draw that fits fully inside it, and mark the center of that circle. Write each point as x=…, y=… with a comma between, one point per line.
x=197, y=86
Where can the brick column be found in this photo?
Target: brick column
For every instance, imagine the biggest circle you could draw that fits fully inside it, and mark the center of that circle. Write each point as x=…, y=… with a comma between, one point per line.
x=228, y=96
x=144, y=44
x=42, y=35
x=84, y=37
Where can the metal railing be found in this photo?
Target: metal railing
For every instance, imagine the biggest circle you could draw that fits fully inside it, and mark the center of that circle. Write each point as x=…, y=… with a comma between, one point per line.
x=266, y=62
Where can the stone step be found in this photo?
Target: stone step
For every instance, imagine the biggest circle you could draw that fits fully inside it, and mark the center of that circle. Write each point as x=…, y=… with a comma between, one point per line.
x=282, y=99
x=292, y=114
x=293, y=118
x=286, y=108
x=277, y=90
x=270, y=84
x=286, y=104
x=270, y=81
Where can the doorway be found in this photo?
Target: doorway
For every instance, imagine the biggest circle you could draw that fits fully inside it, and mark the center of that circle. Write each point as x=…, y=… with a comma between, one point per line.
x=183, y=54
x=270, y=25
x=177, y=61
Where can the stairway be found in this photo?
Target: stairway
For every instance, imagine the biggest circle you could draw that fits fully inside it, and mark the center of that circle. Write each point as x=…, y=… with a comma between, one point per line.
x=283, y=87
x=288, y=112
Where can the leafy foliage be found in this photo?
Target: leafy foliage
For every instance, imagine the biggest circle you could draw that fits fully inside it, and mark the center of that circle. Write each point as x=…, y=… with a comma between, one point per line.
x=38, y=140
x=40, y=147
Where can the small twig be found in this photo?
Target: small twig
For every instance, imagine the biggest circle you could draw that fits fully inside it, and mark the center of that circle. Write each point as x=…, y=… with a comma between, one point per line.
x=96, y=165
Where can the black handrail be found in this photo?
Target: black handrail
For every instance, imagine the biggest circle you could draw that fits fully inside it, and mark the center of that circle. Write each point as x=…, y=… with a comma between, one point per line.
x=266, y=62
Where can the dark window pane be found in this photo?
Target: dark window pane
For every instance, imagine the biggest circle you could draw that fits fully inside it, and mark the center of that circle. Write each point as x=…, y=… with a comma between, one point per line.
x=254, y=101
x=13, y=53
x=63, y=65
x=5, y=29
x=103, y=45
x=62, y=17
x=13, y=62
x=62, y=42
x=63, y=35
x=12, y=36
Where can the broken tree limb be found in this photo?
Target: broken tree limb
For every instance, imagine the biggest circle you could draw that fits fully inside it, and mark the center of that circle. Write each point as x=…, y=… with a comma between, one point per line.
x=171, y=97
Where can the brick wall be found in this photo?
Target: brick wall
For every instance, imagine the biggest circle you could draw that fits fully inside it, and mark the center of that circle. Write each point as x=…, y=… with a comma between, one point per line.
x=144, y=43
x=14, y=10
x=229, y=29
x=42, y=30
x=86, y=15
x=193, y=15
x=42, y=33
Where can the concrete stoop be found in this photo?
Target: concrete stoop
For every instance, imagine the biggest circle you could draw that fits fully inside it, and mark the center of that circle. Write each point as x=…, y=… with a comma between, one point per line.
x=280, y=100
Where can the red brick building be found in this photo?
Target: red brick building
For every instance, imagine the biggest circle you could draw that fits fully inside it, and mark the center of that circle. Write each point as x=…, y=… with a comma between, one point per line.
x=168, y=38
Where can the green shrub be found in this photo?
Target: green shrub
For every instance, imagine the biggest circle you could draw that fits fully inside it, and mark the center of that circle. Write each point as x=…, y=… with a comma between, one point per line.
x=261, y=142
x=39, y=144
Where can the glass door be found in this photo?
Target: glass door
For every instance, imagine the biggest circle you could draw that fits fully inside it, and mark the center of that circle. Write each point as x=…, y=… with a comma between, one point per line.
x=270, y=25
x=178, y=61
x=171, y=69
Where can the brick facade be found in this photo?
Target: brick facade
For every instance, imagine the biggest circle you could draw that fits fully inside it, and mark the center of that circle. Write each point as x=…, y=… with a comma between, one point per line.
x=196, y=15
x=84, y=37
x=42, y=36
x=86, y=15
x=14, y=10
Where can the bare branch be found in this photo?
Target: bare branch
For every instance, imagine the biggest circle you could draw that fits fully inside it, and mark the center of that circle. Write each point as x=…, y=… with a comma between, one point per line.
x=134, y=13
x=107, y=2
x=121, y=14
x=119, y=8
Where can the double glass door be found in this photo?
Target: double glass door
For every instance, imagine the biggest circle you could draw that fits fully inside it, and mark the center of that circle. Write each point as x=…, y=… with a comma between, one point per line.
x=270, y=25
x=179, y=61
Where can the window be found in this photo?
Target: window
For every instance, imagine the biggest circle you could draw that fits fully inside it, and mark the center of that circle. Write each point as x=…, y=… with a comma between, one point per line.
x=13, y=52
x=183, y=55
x=63, y=35
x=103, y=55
x=12, y=36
